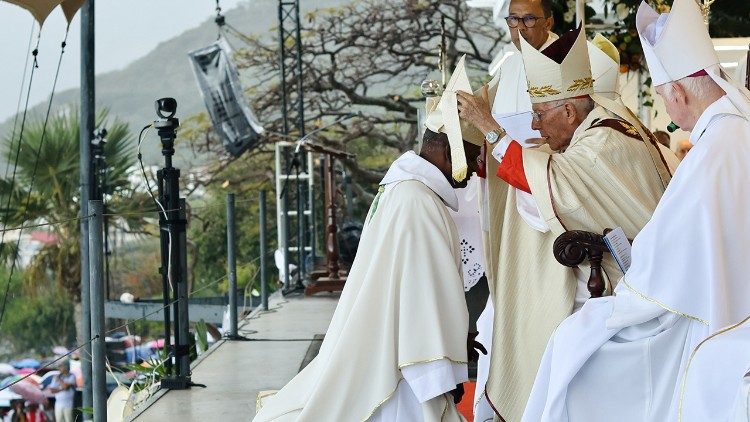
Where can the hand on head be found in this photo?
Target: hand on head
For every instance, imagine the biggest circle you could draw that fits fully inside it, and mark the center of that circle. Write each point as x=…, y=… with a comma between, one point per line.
x=476, y=110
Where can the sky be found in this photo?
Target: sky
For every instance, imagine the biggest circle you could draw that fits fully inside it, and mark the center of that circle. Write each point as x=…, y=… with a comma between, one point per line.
x=125, y=31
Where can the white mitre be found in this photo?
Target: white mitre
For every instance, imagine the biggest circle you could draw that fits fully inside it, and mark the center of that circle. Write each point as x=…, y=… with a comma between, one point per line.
x=443, y=117
x=605, y=66
x=560, y=71
x=677, y=45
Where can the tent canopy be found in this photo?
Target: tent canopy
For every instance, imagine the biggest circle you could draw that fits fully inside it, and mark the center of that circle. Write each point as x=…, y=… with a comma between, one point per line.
x=40, y=9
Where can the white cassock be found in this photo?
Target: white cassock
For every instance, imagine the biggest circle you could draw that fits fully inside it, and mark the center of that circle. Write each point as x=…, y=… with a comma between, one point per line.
x=512, y=98
x=396, y=345
x=622, y=358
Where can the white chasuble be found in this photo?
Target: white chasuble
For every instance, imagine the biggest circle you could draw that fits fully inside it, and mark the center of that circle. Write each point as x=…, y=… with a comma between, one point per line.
x=687, y=283
x=604, y=179
x=396, y=345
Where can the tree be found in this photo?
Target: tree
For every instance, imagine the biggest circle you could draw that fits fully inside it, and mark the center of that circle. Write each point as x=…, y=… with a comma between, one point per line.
x=369, y=56
x=53, y=169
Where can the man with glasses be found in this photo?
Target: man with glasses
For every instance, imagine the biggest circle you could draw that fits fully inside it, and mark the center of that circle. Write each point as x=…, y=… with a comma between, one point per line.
x=672, y=343
x=531, y=20
x=596, y=169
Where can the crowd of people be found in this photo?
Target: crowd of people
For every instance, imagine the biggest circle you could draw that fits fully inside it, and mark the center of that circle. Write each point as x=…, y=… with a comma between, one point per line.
x=57, y=408
x=665, y=341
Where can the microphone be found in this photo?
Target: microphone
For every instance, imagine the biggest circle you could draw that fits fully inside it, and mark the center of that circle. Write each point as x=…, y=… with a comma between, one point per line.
x=672, y=127
x=303, y=140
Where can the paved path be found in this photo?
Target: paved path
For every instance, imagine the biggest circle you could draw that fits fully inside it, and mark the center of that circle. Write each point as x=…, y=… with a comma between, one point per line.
x=235, y=371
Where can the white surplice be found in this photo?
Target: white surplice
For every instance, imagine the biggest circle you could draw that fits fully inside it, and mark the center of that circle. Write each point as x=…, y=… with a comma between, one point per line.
x=396, y=344
x=469, y=229
x=622, y=358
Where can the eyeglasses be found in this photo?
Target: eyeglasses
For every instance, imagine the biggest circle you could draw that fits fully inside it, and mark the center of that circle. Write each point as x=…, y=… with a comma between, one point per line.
x=537, y=115
x=528, y=21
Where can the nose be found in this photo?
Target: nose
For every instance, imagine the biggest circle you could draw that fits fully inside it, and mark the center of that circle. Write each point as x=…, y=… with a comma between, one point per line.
x=535, y=124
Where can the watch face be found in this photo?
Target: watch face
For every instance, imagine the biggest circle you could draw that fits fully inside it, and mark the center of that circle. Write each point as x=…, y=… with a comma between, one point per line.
x=491, y=137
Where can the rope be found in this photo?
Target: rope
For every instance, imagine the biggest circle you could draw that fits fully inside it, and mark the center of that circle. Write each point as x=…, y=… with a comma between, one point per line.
x=36, y=166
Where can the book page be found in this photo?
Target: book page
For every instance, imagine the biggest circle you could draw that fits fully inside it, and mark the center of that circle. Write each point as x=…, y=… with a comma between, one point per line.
x=620, y=247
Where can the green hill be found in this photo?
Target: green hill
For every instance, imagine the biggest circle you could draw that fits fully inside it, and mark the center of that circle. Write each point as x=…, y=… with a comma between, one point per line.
x=165, y=71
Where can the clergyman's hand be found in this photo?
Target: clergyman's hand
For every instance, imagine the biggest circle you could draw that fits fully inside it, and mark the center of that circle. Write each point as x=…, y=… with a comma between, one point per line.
x=458, y=393
x=473, y=347
x=476, y=110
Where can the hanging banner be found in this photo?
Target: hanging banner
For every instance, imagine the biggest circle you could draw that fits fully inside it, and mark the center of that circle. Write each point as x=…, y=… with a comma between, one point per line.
x=220, y=87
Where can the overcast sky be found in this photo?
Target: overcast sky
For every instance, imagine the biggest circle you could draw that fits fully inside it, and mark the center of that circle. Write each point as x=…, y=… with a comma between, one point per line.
x=125, y=30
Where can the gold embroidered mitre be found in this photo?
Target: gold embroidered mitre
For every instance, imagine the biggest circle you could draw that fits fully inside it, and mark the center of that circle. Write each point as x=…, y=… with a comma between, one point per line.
x=605, y=66
x=560, y=71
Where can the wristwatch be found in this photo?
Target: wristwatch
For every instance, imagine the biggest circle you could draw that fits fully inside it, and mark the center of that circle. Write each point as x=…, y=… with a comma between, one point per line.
x=493, y=136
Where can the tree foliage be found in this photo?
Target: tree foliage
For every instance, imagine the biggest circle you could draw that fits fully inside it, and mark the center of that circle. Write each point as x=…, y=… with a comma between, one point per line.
x=45, y=190
x=34, y=323
x=370, y=56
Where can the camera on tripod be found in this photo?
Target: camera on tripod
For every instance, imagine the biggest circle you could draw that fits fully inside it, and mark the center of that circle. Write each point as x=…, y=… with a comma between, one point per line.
x=167, y=125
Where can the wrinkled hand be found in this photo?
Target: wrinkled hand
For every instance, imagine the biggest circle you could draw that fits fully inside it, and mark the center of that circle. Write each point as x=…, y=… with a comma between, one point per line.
x=473, y=347
x=457, y=393
x=476, y=110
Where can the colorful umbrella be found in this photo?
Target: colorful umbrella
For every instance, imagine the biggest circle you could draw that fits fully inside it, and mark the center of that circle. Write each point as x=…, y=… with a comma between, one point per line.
x=9, y=380
x=26, y=363
x=25, y=371
x=47, y=379
x=29, y=391
x=7, y=369
x=6, y=396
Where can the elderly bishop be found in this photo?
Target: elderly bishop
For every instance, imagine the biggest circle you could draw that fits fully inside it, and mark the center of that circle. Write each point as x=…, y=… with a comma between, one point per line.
x=599, y=169
x=641, y=355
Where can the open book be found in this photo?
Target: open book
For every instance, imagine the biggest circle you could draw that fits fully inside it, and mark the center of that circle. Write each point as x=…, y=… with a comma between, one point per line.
x=620, y=247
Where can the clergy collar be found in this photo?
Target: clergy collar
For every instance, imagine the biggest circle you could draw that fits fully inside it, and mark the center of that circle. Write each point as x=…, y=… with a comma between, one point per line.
x=411, y=166
x=597, y=113
x=721, y=106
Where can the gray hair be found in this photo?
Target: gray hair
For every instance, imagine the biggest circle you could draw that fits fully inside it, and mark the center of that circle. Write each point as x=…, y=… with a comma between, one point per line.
x=583, y=105
x=697, y=87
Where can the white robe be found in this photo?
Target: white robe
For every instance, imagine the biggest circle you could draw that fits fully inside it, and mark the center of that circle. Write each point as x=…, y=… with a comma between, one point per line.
x=715, y=384
x=396, y=344
x=511, y=98
x=469, y=229
x=623, y=357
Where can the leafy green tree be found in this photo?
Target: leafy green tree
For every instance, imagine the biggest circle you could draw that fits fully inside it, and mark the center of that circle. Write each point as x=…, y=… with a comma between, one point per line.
x=36, y=322
x=46, y=191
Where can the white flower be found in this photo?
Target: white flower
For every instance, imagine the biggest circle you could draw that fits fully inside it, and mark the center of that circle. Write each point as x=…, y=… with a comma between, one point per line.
x=569, y=15
x=622, y=11
x=615, y=1
x=571, y=4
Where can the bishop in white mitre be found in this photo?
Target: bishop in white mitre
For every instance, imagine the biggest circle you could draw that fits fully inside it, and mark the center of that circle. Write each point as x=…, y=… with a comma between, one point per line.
x=600, y=169
x=636, y=356
x=397, y=344
x=507, y=96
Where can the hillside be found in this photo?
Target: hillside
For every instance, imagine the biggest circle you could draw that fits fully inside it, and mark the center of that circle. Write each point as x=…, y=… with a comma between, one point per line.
x=165, y=71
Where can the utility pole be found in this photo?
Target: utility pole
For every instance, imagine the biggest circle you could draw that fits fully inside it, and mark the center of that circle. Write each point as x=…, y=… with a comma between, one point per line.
x=87, y=120
x=96, y=273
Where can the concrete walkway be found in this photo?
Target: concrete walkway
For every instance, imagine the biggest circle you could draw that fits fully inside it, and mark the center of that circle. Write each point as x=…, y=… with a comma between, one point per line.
x=235, y=371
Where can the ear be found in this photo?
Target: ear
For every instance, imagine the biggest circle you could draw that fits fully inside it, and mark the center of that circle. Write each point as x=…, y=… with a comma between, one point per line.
x=550, y=22
x=570, y=112
x=680, y=95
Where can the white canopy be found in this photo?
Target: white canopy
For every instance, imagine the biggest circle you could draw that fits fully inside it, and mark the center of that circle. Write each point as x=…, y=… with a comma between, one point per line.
x=40, y=9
